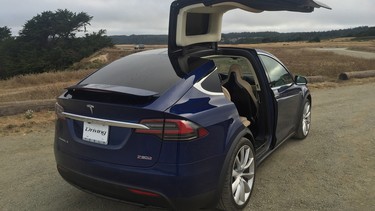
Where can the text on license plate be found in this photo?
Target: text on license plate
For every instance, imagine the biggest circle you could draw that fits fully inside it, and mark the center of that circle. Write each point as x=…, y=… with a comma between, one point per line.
x=95, y=133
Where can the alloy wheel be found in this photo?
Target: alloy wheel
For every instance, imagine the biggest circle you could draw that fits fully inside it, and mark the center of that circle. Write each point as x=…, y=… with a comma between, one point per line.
x=243, y=175
x=306, y=120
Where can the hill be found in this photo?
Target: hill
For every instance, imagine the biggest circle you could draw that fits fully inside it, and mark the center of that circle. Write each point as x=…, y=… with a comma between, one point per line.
x=267, y=37
x=363, y=32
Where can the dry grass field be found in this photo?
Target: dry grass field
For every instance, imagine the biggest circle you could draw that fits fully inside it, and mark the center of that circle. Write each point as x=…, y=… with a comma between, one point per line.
x=49, y=85
x=299, y=57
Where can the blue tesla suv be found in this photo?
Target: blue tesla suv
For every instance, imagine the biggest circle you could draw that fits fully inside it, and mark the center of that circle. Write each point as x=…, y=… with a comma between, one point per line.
x=183, y=127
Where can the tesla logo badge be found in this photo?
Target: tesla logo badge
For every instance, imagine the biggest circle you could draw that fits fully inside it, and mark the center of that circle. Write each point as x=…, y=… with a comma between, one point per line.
x=91, y=107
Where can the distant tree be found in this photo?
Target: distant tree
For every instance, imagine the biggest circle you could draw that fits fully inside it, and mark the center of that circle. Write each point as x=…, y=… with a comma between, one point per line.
x=50, y=26
x=315, y=39
x=368, y=32
x=267, y=40
x=5, y=33
x=48, y=42
x=5, y=42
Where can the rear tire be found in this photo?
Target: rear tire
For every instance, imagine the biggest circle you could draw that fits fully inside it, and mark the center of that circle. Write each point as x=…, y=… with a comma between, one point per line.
x=239, y=178
x=305, y=121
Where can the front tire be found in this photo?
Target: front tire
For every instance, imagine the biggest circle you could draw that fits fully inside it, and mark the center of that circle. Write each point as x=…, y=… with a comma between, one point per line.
x=240, y=177
x=305, y=121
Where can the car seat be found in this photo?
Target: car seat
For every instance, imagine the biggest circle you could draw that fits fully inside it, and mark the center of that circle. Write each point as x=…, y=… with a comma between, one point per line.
x=244, y=120
x=241, y=93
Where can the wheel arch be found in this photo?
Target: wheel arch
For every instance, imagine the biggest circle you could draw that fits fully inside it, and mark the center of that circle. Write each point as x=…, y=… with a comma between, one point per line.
x=306, y=97
x=245, y=133
x=298, y=133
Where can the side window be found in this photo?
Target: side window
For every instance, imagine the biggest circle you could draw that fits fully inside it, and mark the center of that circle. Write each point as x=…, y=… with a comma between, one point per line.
x=277, y=74
x=212, y=83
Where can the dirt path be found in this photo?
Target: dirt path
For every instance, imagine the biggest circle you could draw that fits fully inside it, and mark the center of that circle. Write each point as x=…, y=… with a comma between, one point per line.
x=333, y=169
x=346, y=52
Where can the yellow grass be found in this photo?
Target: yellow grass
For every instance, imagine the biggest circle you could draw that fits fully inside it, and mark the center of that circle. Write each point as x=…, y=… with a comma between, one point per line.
x=309, y=63
x=38, y=86
x=50, y=85
x=301, y=59
x=20, y=124
x=364, y=48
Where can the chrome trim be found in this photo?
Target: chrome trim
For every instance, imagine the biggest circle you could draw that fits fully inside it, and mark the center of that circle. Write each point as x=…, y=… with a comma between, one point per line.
x=278, y=87
x=103, y=121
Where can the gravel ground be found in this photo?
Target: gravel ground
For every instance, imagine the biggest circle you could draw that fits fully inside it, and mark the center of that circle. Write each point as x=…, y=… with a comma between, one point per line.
x=333, y=169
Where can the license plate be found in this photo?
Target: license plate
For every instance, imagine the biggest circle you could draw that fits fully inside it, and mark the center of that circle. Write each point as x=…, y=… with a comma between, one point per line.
x=95, y=133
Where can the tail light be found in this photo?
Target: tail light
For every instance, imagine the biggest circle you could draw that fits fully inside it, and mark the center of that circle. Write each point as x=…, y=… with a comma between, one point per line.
x=173, y=129
x=59, y=110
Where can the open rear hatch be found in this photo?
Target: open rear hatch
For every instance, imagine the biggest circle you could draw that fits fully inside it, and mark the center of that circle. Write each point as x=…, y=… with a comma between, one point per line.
x=196, y=24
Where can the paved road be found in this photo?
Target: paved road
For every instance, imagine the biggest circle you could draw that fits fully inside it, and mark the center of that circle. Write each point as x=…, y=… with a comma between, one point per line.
x=333, y=169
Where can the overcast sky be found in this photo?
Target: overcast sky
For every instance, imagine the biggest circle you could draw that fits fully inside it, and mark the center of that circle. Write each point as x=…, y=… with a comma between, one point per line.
x=126, y=17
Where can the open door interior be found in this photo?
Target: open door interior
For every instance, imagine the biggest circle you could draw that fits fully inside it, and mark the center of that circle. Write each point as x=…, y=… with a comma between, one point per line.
x=198, y=23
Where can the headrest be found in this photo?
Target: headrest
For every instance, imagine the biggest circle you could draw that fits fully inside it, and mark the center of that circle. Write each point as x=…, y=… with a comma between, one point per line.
x=235, y=68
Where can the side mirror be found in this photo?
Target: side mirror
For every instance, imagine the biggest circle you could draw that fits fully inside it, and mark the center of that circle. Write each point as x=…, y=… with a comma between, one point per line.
x=300, y=80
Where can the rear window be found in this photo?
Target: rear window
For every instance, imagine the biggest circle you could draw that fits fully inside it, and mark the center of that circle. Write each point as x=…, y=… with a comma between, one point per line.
x=152, y=72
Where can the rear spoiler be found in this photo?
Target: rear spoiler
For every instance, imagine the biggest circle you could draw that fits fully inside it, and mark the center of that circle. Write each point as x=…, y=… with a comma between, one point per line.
x=103, y=88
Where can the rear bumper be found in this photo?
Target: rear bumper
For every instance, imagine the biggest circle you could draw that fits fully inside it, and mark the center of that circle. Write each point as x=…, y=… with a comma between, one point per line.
x=111, y=190
x=165, y=187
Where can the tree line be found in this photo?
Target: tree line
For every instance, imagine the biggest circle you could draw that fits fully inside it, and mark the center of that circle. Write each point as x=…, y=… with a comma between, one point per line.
x=48, y=42
x=257, y=37
x=266, y=37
